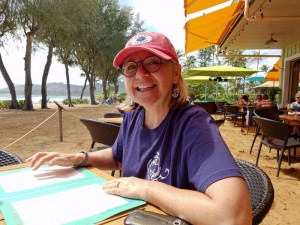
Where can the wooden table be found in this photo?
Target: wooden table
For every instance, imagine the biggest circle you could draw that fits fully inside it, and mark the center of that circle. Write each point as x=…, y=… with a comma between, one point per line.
x=115, y=220
x=117, y=120
x=292, y=119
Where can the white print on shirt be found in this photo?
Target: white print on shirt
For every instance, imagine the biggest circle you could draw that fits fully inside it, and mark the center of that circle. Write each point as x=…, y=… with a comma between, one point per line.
x=154, y=169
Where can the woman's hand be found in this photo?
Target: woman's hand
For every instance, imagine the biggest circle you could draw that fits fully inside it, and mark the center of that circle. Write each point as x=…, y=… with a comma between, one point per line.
x=129, y=187
x=55, y=158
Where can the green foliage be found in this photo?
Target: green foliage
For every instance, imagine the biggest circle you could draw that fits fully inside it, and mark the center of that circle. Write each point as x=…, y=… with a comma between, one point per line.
x=122, y=96
x=274, y=94
x=5, y=104
x=76, y=101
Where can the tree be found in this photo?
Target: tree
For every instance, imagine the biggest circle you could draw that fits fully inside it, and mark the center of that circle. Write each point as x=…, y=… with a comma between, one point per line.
x=30, y=18
x=190, y=62
x=257, y=58
x=206, y=56
x=7, y=25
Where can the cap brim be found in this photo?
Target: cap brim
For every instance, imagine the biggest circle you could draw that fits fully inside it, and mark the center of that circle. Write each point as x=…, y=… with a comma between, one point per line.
x=123, y=54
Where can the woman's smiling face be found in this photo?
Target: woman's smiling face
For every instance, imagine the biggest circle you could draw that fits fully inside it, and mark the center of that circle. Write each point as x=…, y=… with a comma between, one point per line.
x=151, y=89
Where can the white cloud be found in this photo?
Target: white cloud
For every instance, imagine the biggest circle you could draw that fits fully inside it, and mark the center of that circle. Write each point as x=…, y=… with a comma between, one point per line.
x=164, y=16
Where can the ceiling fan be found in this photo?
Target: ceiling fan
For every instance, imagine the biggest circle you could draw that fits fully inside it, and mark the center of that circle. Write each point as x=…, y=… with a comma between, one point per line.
x=271, y=40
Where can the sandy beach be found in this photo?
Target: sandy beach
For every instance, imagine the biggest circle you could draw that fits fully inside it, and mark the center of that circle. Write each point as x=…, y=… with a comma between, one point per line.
x=27, y=132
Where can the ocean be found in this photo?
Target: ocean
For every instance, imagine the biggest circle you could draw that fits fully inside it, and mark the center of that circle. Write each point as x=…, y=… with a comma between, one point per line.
x=38, y=98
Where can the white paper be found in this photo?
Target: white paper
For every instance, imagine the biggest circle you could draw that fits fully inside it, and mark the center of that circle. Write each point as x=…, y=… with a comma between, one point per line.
x=66, y=206
x=28, y=179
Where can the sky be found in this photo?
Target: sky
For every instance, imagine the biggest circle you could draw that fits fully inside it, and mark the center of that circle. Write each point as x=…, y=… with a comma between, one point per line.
x=165, y=16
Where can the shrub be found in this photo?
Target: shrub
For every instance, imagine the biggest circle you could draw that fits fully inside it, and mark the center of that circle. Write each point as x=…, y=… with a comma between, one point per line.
x=76, y=101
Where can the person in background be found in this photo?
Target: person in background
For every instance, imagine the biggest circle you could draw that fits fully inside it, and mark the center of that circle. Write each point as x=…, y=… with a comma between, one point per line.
x=258, y=98
x=265, y=102
x=243, y=101
x=296, y=104
x=170, y=151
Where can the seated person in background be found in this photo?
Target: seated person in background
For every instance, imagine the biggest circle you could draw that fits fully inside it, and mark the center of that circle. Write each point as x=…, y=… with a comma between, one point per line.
x=296, y=104
x=258, y=98
x=243, y=102
x=265, y=102
x=193, y=177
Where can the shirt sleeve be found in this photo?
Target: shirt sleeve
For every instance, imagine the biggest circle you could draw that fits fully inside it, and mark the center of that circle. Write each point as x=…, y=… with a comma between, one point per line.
x=209, y=158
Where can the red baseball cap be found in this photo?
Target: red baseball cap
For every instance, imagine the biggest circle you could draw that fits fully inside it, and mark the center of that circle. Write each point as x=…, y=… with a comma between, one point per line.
x=156, y=43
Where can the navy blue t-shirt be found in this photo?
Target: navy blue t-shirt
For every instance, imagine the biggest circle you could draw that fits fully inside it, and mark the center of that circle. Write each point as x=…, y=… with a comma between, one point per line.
x=186, y=150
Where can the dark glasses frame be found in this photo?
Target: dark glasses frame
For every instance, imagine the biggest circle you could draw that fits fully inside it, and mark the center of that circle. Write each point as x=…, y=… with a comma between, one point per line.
x=150, y=68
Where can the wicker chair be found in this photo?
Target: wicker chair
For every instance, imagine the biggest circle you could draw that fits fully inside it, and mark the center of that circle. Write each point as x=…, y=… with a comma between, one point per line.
x=219, y=122
x=7, y=158
x=220, y=108
x=233, y=112
x=276, y=135
x=104, y=133
x=270, y=113
x=112, y=115
x=260, y=188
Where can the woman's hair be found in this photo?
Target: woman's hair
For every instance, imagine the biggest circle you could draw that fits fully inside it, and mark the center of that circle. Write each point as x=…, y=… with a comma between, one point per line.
x=183, y=98
x=245, y=97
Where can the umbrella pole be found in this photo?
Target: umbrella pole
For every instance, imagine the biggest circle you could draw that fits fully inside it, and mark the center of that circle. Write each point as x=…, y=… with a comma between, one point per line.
x=217, y=90
x=205, y=90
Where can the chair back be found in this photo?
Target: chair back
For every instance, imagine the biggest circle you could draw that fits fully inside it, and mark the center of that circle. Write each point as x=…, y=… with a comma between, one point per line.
x=273, y=129
x=220, y=106
x=7, y=158
x=112, y=115
x=219, y=122
x=101, y=132
x=231, y=109
x=269, y=113
x=260, y=188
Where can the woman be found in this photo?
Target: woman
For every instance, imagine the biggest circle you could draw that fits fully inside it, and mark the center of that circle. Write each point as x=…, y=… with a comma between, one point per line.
x=296, y=104
x=171, y=152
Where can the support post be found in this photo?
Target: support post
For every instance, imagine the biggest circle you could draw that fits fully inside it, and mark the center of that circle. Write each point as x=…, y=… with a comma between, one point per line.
x=60, y=109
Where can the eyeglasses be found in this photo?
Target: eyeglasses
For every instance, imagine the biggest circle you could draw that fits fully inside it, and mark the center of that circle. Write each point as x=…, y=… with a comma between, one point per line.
x=150, y=64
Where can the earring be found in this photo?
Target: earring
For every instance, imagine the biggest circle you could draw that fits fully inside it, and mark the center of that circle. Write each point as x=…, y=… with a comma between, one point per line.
x=131, y=102
x=175, y=92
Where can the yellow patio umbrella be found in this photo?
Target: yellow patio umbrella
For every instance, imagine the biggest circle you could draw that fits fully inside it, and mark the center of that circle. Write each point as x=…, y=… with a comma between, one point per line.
x=192, y=6
x=209, y=29
x=274, y=74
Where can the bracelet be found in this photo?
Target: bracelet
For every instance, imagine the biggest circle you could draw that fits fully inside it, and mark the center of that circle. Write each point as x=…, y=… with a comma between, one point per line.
x=84, y=161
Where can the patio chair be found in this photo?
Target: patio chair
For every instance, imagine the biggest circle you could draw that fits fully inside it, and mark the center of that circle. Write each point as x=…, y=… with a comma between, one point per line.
x=233, y=112
x=7, y=158
x=220, y=108
x=112, y=115
x=104, y=133
x=219, y=122
x=276, y=135
x=270, y=113
x=260, y=188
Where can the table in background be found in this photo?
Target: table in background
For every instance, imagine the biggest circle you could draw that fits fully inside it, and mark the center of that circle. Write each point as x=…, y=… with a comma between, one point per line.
x=292, y=119
x=114, y=220
x=117, y=121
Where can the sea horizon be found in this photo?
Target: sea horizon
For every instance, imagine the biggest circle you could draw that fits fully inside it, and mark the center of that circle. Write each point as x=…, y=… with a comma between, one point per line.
x=38, y=98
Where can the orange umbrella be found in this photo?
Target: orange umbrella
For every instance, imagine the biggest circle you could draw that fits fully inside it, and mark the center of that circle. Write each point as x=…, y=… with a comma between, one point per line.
x=274, y=74
x=209, y=29
x=192, y=6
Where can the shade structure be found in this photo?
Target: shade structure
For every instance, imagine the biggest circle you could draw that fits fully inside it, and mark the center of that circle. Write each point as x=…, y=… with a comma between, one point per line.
x=209, y=29
x=255, y=78
x=192, y=6
x=268, y=84
x=206, y=79
x=220, y=71
x=274, y=76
